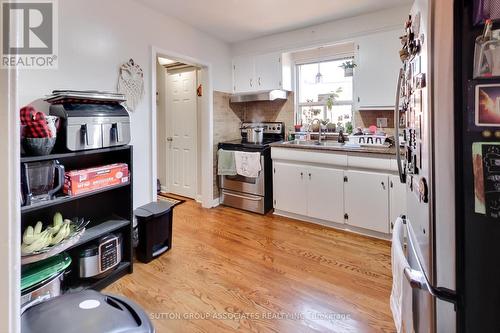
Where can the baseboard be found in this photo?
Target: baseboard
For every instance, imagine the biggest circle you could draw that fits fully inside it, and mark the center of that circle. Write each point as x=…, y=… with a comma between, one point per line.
x=215, y=202
x=339, y=226
x=164, y=189
x=198, y=198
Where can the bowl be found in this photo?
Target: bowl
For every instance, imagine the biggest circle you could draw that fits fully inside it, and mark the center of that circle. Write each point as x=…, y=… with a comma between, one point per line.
x=38, y=146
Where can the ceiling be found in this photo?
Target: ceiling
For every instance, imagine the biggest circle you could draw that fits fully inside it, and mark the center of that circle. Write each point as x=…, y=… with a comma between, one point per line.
x=238, y=20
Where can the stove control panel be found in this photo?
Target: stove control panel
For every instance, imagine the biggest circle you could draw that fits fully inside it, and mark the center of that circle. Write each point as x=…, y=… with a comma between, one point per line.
x=269, y=127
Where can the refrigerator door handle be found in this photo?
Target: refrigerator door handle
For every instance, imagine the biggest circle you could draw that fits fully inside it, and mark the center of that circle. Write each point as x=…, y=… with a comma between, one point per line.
x=402, y=175
x=418, y=279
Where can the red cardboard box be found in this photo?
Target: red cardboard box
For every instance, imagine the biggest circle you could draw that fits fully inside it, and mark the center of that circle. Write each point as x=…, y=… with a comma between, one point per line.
x=82, y=181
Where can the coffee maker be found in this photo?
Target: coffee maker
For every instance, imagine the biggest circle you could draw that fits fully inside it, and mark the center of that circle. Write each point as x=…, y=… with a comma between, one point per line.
x=40, y=181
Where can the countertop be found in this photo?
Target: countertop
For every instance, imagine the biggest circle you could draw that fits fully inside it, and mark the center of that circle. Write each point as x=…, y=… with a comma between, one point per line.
x=391, y=150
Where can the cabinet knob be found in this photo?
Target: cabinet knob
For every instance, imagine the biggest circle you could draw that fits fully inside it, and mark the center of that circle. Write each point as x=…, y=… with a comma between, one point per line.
x=309, y=175
x=259, y=81
x=251, y=82
x=383, y=185
x=301, y=175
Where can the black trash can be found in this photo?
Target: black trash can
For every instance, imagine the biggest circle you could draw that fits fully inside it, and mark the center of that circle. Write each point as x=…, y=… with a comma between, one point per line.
x=154, y=221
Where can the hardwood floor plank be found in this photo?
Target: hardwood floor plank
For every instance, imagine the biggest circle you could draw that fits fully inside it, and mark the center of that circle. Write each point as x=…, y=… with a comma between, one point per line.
x=229, y=270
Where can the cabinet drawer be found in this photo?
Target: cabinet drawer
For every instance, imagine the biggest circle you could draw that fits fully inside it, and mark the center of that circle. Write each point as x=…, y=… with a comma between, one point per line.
x=372, y=163
x=308, y=156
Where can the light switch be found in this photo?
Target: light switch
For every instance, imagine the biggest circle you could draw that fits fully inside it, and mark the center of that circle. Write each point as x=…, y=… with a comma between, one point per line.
x=381, y=122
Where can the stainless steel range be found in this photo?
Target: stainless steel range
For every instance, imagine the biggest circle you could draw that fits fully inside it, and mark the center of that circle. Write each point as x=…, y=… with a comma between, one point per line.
x=252, y=194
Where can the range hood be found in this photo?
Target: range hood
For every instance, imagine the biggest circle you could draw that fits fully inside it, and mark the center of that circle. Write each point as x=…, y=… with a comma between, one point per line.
x=256, y=96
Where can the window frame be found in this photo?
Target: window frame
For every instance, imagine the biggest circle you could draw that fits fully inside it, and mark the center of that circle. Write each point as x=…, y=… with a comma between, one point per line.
x=298, y=105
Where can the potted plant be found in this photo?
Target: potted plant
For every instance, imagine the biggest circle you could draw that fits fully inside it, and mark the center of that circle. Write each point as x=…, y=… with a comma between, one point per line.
x=348, y=67
x=331, y=99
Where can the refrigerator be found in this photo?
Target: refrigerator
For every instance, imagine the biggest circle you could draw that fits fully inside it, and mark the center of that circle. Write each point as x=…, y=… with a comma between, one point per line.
x=448, y=113
x=425, y=119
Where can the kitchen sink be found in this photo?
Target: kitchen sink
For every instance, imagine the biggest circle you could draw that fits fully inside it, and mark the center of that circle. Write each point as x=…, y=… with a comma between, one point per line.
x=315, y=143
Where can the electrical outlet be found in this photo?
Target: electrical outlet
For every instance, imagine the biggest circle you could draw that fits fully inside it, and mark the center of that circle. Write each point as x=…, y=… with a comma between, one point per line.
x=381, y=122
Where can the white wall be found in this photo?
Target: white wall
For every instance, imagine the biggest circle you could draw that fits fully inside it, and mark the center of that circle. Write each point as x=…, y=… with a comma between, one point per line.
x=95, y=37
x=326, y=33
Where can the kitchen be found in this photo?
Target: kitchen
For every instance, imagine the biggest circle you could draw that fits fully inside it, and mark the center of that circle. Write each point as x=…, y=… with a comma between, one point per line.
x=330, y=187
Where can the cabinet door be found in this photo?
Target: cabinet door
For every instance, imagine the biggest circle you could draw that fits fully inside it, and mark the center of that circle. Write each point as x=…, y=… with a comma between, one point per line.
x=243, y=74
x=325, y=194
x=289, y=184
x=397, y=198
x=367, y=200
x=377, y=68
x=268, y=74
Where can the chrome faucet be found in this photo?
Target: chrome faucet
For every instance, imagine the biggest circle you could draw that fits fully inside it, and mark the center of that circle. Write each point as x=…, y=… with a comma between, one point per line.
x=319, y=128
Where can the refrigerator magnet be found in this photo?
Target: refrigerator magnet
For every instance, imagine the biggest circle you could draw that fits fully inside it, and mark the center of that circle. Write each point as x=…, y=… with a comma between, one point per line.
x=487, y=105
x=486, y=168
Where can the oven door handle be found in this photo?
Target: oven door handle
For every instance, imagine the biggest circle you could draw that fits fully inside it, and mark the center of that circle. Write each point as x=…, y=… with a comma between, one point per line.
x=253, y=198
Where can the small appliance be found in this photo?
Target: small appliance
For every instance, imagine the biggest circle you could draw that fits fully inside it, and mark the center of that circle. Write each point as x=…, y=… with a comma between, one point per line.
x=101, y=258
x=90, y=120
x=39, y=181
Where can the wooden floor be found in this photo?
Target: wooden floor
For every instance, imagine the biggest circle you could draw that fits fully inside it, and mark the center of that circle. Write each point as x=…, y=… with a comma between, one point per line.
x=234, y=271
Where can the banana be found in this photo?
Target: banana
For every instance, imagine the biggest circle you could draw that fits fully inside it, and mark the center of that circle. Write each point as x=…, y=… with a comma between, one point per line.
x=28, y=235
x=62, y=234
x=41, y=242
x=38, y=228
x=58, y=219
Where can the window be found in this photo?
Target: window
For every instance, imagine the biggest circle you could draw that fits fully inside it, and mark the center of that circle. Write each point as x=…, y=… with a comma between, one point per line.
x=318, y=81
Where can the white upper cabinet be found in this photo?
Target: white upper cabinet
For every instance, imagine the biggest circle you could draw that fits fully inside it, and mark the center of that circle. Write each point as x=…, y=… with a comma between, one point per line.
x=377, y=68
x=262, y=72
x=243, y=74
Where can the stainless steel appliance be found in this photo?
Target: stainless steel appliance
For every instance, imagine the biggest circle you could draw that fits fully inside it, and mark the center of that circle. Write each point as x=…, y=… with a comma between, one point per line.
x=252, y=194
x=42, y=280
x=97, y=121
x=254, y=133
x=40, y=181
x=101, y=258
x=425, y=100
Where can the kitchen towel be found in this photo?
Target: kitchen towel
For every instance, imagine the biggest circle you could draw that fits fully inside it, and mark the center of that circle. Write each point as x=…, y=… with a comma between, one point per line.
x=226, y=165
x=247, y=164
x=399, y=290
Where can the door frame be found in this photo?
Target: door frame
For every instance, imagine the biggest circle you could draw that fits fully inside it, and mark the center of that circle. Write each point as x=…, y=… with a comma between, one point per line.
x=205, y=137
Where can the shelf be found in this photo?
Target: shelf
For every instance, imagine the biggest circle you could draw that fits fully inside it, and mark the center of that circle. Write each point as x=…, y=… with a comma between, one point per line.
x=102, y=283
x=88, y=235
x=26, y=159
x=67, y=198
x=100, y=230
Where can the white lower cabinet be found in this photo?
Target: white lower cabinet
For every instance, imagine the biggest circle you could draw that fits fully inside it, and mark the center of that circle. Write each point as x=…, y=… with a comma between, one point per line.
x=309, y=190
x=367, y=200
x=397, y=198
x=290, y=188
x=325, y=194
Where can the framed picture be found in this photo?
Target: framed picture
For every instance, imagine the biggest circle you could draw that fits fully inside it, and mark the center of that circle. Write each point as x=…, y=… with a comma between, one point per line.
x=487, y=105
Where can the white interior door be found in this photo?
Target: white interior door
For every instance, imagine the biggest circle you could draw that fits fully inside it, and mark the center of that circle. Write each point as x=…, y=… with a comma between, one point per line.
x=182, y=151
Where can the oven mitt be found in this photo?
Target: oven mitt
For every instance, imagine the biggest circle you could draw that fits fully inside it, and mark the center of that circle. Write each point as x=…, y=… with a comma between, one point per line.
x=35, y=123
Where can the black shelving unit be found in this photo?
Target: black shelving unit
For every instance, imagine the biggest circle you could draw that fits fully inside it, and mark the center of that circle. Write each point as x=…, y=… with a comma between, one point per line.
x=110, y=210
